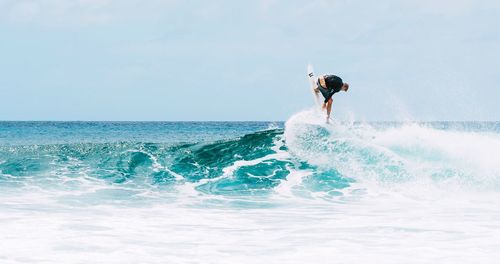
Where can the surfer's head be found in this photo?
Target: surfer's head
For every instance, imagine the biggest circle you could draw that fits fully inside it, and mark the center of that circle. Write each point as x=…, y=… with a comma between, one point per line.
x=345, y=87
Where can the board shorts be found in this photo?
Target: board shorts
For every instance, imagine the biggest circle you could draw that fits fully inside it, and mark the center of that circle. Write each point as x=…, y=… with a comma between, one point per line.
x=324, y=91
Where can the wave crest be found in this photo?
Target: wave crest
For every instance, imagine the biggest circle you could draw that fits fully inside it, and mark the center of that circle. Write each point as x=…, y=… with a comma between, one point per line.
x=396, y=153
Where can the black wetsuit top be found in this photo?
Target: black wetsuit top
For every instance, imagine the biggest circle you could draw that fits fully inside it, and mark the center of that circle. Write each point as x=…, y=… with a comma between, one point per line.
x=333, y=85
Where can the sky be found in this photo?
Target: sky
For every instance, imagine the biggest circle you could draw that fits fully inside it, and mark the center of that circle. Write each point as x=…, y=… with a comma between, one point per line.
x=172, y=60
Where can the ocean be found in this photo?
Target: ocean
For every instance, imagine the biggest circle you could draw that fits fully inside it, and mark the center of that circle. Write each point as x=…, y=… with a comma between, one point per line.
x=298, y=191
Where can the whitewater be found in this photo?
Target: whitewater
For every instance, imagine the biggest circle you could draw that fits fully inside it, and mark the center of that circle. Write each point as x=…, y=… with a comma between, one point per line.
x=250, y=192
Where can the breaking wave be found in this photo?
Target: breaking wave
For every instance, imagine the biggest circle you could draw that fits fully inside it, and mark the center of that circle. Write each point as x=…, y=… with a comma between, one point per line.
x=307, y=158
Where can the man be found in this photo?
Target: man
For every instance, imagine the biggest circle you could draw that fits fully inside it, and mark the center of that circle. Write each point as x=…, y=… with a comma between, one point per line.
x=329, y=85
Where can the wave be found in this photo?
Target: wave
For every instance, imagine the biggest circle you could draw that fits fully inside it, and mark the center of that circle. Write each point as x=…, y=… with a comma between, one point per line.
x=307, y=158
x=251, y=161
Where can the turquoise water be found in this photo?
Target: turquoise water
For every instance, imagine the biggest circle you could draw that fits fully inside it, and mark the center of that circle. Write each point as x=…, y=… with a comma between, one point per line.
x=246, y=192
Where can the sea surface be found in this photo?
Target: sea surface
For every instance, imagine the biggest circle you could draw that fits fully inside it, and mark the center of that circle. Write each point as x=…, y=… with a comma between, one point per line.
x=299, y=191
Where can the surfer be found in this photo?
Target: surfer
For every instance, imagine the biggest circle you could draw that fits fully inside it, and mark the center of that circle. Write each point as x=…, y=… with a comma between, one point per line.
x=329, y=85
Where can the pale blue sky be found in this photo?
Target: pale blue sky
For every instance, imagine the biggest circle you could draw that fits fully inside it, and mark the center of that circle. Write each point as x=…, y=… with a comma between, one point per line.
x=246, y=60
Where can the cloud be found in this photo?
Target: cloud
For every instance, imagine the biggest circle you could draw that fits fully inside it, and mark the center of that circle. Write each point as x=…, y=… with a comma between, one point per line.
x=63, y=13
x=57, y=12
x=449, y=8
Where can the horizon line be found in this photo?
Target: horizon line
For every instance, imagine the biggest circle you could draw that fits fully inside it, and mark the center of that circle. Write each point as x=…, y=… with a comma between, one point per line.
x=241, y=121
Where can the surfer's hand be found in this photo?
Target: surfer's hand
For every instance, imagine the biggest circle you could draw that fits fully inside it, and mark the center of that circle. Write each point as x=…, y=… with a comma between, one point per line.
x=324, y=106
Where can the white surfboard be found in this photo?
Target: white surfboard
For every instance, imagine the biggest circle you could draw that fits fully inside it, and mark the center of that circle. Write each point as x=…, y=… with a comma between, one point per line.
x=312, y=83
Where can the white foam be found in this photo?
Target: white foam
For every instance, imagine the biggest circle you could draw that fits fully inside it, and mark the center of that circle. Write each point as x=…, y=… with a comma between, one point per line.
x=409, y=152
x=377, y=228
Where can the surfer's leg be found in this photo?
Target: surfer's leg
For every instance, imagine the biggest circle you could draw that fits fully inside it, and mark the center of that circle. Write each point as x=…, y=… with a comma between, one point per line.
x=328, y=108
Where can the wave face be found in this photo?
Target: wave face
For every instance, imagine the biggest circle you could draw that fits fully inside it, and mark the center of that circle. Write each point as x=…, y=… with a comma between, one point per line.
x=253, y=164
x=295, y=192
